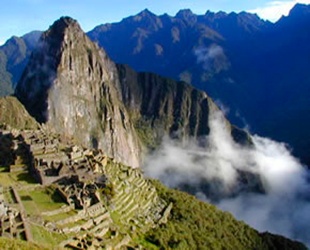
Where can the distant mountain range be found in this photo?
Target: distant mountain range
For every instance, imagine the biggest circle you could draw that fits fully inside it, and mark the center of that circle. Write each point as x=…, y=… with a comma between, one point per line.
x=256, y=69
x=72, y=86
x=96, y=118
x=78, y=123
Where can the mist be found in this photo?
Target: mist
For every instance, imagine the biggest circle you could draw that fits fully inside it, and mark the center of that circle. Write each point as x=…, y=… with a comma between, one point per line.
x=212, y=58
x=261, y=184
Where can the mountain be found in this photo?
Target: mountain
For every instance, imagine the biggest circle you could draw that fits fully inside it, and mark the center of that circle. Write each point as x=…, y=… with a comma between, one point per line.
x=14, y=55
x=73, y=87
x=55, y=194
x=162, y=39
x=14, y=114
x=73, y=181
x=287, y=81
x=224, y=54
x=165, y=106
x=255, y=68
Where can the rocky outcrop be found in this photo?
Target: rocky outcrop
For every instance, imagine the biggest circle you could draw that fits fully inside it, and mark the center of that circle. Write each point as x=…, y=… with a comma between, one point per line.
x=14, y=114
x=161, y=106
x=71, y=85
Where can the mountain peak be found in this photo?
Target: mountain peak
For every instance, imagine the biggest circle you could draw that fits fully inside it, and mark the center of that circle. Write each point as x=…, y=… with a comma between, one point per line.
x=63, y=23
x=44, y=62
x=220, y=14
x=71, y=85
x=144, y=14
x=300, y=10
x=59, y=27
x=66, y=20
x=147, y=19
x=187, y=15
x=298, y=16
x=185, y=12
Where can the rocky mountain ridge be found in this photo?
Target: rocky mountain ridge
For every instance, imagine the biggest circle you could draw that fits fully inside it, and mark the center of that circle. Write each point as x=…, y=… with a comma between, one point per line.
x=220, y=25
x=221, y=53
x=72, y=86
x=56, y=194
x=169, y=107
x=225, y=55
x=82, y=98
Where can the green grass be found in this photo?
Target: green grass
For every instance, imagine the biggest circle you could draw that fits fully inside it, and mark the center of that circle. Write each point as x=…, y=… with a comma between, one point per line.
x=194, y=224
x=8, y=197
x=24, y=178
x=73, y=224
x=14, y=244
x=4, y=169
x=30, y=206
x=6, y=180
x=60, y=216
x=21, y=178
x=145, y=244
x=46, y=238
x=116, y=217
x=40, y=199
x=146, y=134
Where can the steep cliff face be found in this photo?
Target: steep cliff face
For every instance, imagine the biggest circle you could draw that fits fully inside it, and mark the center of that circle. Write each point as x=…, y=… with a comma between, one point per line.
x=168, y=107
x=70, y=84
x=14, y=114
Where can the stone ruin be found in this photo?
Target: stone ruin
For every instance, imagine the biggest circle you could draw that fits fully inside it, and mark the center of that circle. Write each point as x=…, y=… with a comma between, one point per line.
x=78, y=194
x=12, y=221
x=47, y=158
x=81, y=177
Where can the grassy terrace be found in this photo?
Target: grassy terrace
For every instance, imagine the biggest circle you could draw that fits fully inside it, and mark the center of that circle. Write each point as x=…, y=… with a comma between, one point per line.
x=15, y=178
x=131, y=203
x=71, y=224
x=61, y=216
x=45, y=238
x=12, y=244
x=40, y=199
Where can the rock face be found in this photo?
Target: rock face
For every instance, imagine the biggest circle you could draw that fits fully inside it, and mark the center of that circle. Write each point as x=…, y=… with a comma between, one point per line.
x=71, y=85
x=225, y=55
x=169, y=107
x=176, y=107
x=14, y=114
x=221, y=53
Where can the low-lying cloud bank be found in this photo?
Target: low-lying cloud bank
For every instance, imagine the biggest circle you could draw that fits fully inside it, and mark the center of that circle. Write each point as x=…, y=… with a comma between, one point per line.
x=263, y=184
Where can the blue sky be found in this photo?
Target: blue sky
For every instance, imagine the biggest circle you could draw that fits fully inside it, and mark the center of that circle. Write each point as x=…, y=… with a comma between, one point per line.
x=18, y=17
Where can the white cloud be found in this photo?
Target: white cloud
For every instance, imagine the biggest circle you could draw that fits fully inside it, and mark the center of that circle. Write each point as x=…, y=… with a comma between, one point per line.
x=213, y=174
x=275, y=9
x=212, y=58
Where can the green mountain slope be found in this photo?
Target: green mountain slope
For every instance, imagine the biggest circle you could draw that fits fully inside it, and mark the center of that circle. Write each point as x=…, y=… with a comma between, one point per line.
x=14, y=114
x=194, y=224
x=62, y=195
x=62, y=188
